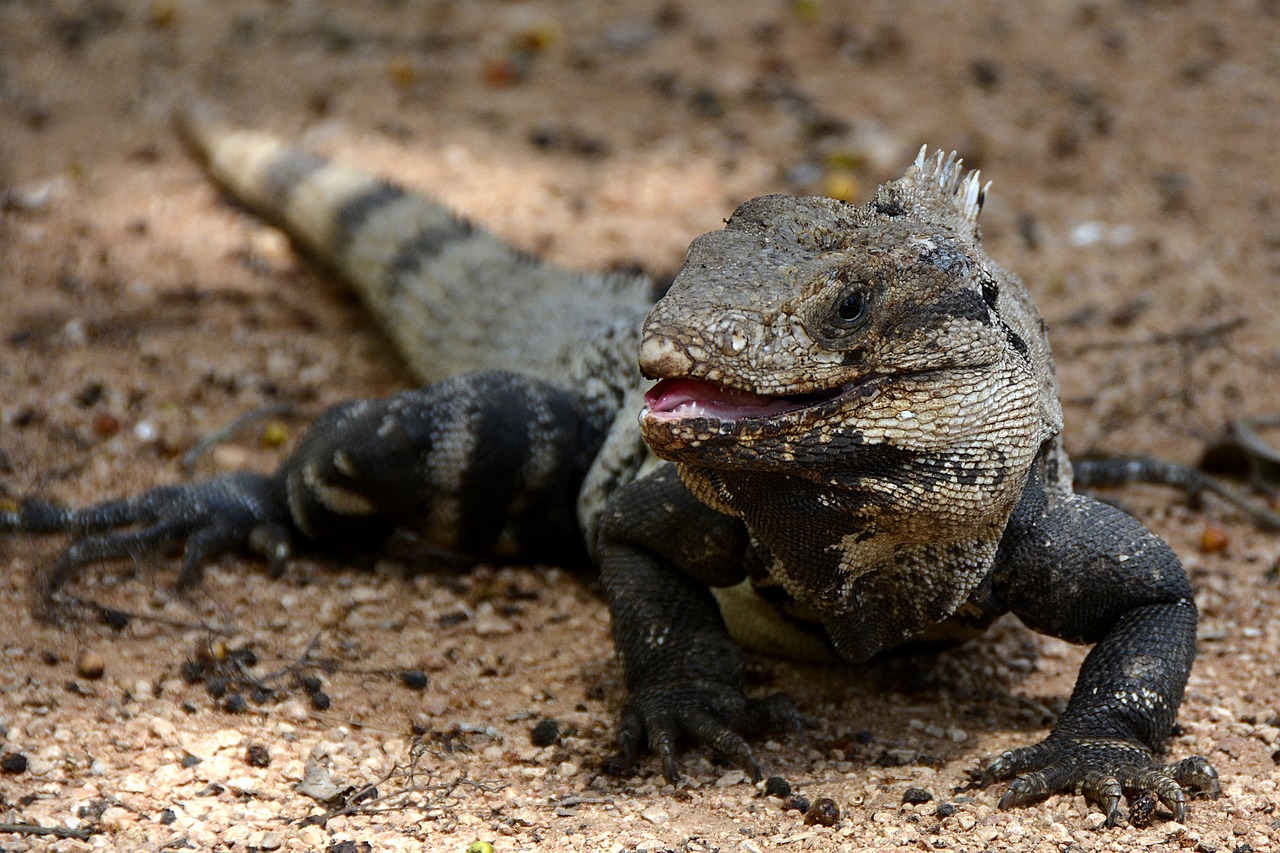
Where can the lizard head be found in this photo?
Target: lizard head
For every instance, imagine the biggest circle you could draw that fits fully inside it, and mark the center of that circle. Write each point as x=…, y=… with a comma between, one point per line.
x=864, y=388
x=808, y=324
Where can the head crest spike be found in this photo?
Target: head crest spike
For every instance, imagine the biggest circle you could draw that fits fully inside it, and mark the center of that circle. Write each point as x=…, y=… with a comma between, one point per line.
x=936, y=186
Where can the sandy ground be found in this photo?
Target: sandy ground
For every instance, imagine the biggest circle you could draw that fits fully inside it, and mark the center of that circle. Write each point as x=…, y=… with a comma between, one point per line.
x=1132, y=146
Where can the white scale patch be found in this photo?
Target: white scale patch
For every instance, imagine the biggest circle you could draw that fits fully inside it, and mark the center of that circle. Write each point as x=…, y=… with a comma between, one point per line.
x=342, y=462
x=452, y=451
x=657, y=636
x=336, y=498
x=543, y=462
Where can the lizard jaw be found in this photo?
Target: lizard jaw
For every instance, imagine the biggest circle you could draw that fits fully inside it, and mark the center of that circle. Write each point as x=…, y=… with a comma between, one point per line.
x=685, y=399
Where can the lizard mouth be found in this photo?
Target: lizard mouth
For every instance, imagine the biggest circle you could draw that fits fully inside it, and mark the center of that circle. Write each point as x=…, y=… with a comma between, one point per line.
x=686, y=399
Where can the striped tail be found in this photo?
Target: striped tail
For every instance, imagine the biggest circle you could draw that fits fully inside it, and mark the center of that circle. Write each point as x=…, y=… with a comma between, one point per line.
x=452, y=297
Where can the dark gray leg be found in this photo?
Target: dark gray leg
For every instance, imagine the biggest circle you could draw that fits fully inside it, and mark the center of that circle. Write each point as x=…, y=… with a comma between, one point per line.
x=660, y=550
x=479, y=464
x=1084, y=571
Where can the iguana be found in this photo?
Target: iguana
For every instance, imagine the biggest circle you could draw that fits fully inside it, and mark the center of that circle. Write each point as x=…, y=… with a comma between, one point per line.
x=836, y=433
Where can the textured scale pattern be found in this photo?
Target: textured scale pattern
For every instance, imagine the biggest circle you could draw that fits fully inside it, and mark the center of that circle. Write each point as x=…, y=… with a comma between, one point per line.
x=853, y=443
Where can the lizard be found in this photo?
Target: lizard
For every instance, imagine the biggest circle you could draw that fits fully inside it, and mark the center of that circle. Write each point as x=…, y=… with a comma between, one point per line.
x=837, y=432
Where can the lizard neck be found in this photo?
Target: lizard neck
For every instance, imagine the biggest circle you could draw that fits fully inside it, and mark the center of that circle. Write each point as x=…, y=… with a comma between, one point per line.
x=876, y=568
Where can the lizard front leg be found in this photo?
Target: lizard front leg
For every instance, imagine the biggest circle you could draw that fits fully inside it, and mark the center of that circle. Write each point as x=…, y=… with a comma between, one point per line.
x=1086, y=572
x=487, y=463
x=659, y=550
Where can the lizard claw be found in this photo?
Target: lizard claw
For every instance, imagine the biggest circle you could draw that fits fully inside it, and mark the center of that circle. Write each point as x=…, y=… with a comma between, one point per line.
x=1104, y=772
x=1196, y=774
x=206, y=518
x=1104, y=791
x=712, y=715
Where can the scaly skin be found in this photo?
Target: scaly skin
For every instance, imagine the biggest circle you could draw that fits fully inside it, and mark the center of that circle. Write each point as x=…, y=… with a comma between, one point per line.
x=873, y=400
x=859, y=418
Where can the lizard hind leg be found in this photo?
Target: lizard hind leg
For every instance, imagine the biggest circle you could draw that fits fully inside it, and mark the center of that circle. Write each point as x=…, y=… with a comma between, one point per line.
x=482, y=464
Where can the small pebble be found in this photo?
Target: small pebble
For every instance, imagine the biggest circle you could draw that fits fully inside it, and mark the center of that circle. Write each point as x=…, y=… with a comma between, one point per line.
x=115, y=619
x=776, y=786
x=655, y=816
x=90, y=665
x=257, y=755
x=105, y=424
x=13, y=763
x=1214, y=539
x=545, y=733
x=731, y=778
x=796, y=803
x=916, y=796
x=629, y=36
x=823, y=812
x=293, y=711
x=414, y=679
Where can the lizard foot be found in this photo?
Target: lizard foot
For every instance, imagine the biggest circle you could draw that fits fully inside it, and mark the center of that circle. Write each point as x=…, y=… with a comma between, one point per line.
x=207, y=518
x=1103, y=770
x=714, y=715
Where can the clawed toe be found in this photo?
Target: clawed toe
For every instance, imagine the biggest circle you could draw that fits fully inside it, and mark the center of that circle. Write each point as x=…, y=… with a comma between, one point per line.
x=204, y=520
x=1196, y=775
x=1104, y=791
x=714, y=716
x=1105, y=773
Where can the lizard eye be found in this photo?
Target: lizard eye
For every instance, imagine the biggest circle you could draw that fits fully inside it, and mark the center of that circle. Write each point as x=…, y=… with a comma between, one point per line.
x=852, y=307
x=845, y=308
x=845, y=311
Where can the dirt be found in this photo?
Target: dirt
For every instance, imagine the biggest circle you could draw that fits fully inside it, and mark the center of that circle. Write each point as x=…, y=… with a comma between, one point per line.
x=1132, y=149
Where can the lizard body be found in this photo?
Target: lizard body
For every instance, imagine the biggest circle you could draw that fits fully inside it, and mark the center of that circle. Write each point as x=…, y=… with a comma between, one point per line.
x=855, y=428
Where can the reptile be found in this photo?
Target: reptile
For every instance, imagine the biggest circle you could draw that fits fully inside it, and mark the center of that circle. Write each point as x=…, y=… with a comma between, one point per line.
x=837, y=432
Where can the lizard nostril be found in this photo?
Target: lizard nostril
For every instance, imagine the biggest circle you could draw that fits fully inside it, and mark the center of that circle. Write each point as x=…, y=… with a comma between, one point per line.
x=661, y=356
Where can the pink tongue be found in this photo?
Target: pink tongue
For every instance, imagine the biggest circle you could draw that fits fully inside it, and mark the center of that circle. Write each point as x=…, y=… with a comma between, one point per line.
x=673, y=399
